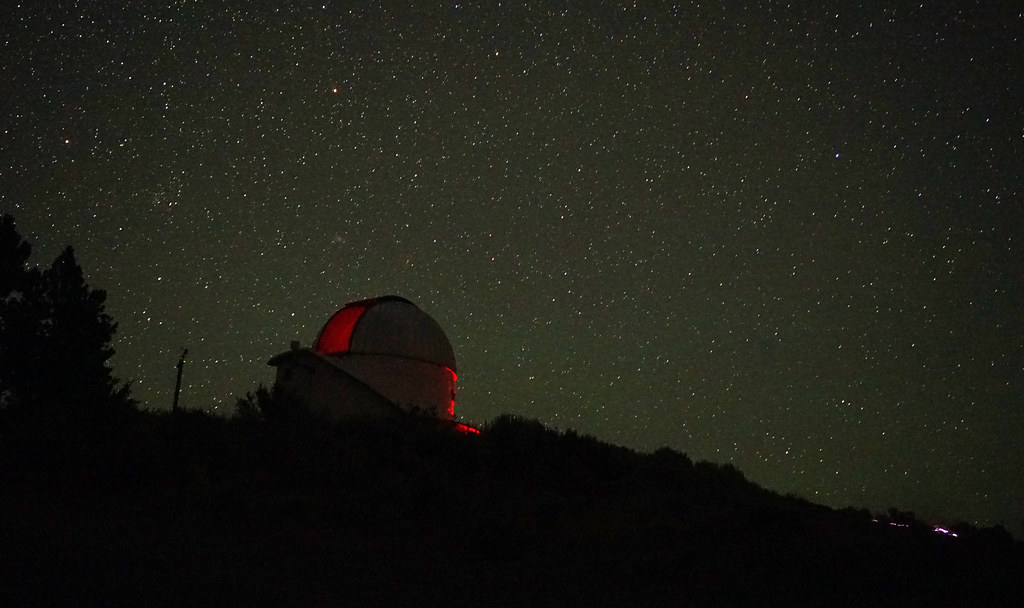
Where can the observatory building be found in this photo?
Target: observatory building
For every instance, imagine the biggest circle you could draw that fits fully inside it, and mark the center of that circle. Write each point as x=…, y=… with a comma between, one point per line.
x=373, y=357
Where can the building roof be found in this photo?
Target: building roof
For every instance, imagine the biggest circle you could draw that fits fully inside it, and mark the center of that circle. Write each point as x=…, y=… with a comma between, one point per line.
x=387, y=325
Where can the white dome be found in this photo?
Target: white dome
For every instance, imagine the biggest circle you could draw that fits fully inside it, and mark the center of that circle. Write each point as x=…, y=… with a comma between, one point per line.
x=387, y=325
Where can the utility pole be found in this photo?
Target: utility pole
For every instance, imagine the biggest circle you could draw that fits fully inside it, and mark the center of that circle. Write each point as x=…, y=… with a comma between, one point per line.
x=177, y=385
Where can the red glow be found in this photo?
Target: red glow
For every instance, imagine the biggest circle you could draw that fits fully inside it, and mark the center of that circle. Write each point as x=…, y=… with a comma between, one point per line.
x=336, y=335
x=465, y=428
x=454, y=377
x=451, y=408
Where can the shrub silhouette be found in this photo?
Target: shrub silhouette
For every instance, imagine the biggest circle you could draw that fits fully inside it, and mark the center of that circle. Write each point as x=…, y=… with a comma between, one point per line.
x=390, y=510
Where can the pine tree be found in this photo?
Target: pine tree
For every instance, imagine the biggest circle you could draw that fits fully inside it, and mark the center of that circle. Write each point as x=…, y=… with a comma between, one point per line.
x=14, y=254
x=20, y=317
x=54, y=334
x=77, y=335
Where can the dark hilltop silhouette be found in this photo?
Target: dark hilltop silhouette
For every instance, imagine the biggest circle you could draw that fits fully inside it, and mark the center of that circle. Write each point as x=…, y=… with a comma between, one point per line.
x=104, y=504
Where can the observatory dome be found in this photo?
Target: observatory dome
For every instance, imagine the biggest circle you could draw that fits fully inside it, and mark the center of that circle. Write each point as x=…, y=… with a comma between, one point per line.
x=378, y=355
x=388, y=325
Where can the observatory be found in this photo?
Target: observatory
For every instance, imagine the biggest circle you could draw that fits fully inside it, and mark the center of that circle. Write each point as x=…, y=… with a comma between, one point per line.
x=373, y=357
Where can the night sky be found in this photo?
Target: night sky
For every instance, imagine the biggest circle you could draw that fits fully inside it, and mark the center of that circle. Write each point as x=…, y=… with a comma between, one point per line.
x=785, y=237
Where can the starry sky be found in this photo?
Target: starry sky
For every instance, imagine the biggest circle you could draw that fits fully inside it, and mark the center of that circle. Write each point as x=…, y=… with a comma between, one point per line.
x=782, y=236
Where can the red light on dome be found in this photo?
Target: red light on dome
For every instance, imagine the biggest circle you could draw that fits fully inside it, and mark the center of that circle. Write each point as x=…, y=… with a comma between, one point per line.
x=455, y=378
x=465, y=428
x=336, y=336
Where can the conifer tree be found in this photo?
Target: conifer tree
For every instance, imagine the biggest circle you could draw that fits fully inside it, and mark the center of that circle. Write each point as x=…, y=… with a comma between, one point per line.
x=54, y=333
x=20, y=318
x=76, y=334
x=14, y=254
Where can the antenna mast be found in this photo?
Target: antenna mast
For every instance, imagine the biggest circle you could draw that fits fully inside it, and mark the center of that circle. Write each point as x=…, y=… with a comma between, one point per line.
x=177, y=385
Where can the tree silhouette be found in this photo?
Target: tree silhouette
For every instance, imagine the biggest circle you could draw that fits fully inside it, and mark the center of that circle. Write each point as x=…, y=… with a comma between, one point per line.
x=54, y=333
x=14, y=254
x=20, y=317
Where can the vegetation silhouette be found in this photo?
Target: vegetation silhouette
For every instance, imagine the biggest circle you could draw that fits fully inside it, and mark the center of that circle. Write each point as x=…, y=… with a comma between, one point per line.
x=279, y=506
x=54, y=335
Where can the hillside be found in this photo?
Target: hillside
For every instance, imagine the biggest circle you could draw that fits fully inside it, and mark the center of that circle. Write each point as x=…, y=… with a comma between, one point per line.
x=136, y=508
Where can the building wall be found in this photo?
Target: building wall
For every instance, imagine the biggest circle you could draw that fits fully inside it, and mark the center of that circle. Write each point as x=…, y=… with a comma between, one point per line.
x=327, y=389
x=410, y=383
